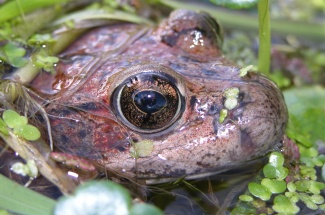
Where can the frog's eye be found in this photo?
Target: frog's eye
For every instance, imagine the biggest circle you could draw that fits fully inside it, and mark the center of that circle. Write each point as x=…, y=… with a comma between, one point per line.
x=148, y=102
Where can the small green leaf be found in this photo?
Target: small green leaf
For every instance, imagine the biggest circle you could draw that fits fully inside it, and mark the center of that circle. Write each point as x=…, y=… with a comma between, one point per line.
x=303, y=185
x=276, y=159
x=29, y=169
x=317, y=199
x=235, y=4
x=11, y=50
x=141, y=149
x=243, y=71
x=231, y=92
x=291, y=186
x=316, y=187
x=38, y=39
x=274, y=185
x=17, y=61
x=246, y=198
x=283, y=205
x=231, y=103
x=223, y=115
x=96, y=197
x=28, y=132
x=13, y=119
x=259, y=191
x=145, y=209
x=3, y=127
x=271, y=171
x=307, y=200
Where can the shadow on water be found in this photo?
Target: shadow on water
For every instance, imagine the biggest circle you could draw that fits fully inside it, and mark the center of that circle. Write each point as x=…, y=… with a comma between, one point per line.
x=210, y=195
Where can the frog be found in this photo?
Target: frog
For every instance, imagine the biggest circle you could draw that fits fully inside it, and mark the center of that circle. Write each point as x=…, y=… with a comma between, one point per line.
x=160, y=103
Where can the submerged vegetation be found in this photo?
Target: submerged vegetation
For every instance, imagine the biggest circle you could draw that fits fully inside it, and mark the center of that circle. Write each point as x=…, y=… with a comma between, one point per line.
x=33, y=34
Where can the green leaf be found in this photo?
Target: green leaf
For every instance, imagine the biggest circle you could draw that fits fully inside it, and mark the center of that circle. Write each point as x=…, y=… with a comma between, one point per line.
x=13, y=119
x=12, y=50
x=283, y=205
x=274, y=185
x=17, y=61
x=259, y=191
x=141, y=149
x=235, y=4
x=96, y=197
x=276, y=159
x=28, y=132
x=271, y=171
x=21, y=200
x=12, y=9
x=246, y=198
x=306, y=114
x=145, y=209
x=3, y=127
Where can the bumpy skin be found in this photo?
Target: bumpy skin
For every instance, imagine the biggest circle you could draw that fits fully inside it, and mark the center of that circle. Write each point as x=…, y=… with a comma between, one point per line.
x=85, y=122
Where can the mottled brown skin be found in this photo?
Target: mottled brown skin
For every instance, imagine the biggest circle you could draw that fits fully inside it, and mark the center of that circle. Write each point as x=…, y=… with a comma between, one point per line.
x=186, y=46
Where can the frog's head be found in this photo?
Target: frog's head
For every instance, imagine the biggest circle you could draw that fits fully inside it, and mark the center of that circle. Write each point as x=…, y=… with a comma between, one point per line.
x=171, y=86
x=200, y=114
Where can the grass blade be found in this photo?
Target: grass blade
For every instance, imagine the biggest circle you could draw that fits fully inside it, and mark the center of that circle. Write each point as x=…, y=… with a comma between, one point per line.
x=19, y=199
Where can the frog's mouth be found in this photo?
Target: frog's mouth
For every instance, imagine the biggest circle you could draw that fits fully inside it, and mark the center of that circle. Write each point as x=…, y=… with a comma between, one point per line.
x=235, y=168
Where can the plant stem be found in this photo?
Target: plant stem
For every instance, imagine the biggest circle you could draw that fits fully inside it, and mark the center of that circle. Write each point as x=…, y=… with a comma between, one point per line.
x=264, y=51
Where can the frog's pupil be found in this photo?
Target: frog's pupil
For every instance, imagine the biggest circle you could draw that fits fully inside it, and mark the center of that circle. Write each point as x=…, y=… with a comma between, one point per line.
x=149, y=101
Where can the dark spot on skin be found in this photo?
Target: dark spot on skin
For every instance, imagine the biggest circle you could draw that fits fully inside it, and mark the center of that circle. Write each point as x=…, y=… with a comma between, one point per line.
x=246, y=142
x=177, y=67
x=209, y=72
x=62, y=112
x=213, y=109
x=177, y=172
x=215, y=124
x=82, y=133
x=192, y=102
x=89, y=106
x=188, y=59
x=202, y=165
x=64, y=138
x=122, y=146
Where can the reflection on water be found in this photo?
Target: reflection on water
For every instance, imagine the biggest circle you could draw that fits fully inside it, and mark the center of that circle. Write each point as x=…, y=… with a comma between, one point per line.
x=211, y=195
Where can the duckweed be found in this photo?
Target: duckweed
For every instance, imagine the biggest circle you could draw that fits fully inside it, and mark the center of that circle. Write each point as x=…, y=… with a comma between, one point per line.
x=303, y=187
x=223, y=115
x=259, y=191
x=3, y=127
x=282, y=204
x=141, y=149
x=28, y=132
x=274, y=185
x=243, y=71
x=231, y=95
x=13, y=55
x=28, y=169
x=246, y=198
x=19, y=124
x=13, y=119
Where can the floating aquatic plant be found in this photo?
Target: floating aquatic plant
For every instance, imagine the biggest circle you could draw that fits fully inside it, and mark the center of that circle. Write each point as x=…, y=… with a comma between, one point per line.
x=20, y=125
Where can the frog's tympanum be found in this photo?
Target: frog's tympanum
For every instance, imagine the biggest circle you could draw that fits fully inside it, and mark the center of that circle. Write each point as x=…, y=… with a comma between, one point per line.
x=169, y=89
